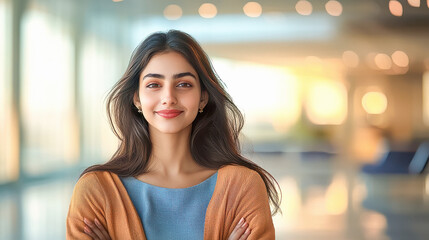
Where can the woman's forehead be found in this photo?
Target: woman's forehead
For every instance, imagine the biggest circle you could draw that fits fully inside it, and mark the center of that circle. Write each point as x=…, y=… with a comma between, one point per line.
x=168, y=64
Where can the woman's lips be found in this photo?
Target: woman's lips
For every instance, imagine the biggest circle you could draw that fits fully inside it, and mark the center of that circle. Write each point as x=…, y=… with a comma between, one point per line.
x=169, y=113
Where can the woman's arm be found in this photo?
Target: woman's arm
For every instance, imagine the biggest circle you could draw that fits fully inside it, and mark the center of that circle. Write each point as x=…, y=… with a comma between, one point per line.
x=97, y=232
x=87, y=202
x=252, y=203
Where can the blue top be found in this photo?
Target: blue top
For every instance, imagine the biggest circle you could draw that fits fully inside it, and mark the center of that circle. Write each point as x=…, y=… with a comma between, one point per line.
x=171, y=213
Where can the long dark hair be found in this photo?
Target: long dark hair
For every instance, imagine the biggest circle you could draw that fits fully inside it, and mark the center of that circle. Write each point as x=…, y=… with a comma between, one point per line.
x=214, y=138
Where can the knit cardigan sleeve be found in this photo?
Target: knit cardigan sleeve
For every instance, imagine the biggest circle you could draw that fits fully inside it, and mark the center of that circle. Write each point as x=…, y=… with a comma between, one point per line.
x=102, y=195
x=240, y=193
x=87, y=201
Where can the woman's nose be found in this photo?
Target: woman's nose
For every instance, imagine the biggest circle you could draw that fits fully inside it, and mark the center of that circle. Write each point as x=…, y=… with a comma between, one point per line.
x=169, y=96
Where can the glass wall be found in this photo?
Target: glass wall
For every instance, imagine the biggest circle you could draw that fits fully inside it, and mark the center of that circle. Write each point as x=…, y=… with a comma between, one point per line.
x=103, y=56
x=50, y=139
x=8, y=140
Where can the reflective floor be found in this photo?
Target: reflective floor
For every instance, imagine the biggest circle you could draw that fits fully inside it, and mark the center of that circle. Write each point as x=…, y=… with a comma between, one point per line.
x=321, y=200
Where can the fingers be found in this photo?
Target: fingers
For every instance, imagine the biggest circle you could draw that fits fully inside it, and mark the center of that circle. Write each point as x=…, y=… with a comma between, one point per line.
x=102, y=229
x=241, y=231
x=95, y=230
x=245, y=234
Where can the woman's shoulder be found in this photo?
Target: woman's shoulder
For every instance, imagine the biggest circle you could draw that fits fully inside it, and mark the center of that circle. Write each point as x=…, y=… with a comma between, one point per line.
x=239, y=173
x=95, y=180
x=94, y=176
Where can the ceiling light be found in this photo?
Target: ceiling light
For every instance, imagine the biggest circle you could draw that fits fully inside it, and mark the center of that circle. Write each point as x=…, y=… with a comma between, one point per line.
x=395, y=8
x=252, y=9
x=350, y=59
x=383, y=61
x=414, y=3
x=207, y=10
x=374, y=102
x=334, y=8
x=173, y=12
x=304, y=7
x=400, y=58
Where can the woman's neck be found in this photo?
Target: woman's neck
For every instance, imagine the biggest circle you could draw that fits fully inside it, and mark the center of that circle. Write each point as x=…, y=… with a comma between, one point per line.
x=171, y=154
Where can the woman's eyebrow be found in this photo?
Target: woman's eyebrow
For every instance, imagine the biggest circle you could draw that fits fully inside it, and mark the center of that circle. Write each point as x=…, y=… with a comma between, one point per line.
x=154, y=75
x=175, y=76
x=180, y=75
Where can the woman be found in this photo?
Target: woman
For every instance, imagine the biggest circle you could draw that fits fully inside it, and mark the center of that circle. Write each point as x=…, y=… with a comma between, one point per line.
x=178, y=172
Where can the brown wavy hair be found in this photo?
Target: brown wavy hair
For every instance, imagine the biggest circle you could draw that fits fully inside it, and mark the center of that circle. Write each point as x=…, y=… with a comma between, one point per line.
x=214, y=138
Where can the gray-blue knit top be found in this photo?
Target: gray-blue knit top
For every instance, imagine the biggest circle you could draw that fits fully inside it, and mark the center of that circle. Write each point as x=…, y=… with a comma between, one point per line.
x=171, y=213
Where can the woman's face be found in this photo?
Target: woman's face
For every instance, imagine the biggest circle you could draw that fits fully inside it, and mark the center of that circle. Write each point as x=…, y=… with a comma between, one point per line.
x=169, y=94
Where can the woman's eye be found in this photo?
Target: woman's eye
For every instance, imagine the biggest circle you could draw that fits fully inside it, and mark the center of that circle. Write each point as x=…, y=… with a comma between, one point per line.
x=153, y=85
x=186, y=85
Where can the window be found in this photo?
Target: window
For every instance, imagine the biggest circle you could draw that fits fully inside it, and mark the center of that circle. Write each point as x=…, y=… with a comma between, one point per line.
x=8, y=139
x=50, y=133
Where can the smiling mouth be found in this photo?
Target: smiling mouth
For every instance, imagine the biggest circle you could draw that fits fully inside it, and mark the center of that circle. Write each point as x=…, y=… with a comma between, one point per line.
x=169, y=113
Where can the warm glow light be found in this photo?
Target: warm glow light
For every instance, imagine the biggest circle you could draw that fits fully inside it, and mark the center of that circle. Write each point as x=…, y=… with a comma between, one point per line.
x=395, y=8
x=374, y=102
x=252, y=9
x=334, y=8
x=279, y=108
x=350, y=59
x=383, y=61
x=304, y=7
x=400, y=58
x=313, y=59
x=117, y=0
x=414, y=3
x=336, y=198
x=207, y=10
x=173, y=12
x=374, y=222
x=290, y=206
x=327, y=103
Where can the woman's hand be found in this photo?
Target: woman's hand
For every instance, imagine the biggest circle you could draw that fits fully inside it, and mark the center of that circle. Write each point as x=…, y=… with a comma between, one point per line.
x=95, y=230
x=241, y=231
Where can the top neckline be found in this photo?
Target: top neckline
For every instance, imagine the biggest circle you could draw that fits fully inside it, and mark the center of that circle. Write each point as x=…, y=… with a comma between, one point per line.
x=166, y=188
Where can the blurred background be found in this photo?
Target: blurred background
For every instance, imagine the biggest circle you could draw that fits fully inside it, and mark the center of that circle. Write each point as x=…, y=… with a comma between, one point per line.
x=335, y=95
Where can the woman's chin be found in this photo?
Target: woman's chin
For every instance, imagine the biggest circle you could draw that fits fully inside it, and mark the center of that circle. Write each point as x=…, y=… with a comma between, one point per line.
x=171, y=129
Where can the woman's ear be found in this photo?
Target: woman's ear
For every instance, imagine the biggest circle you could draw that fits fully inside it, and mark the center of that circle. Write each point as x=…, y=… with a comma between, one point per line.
x=204, y=99
x=136, y=100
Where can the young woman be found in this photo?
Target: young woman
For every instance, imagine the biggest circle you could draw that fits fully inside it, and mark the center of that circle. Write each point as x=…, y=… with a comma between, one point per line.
x=178, y=172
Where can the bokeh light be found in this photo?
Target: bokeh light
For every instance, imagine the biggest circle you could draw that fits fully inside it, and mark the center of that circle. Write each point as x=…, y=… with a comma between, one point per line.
x=173, y=12
x=304, y=7
x=374, y=102
x=350, y=59
x=400, y=58
x=334, y=8
x=414, y=3
x=252, y=9
x=326, y=103
x=395, y=8
x=207, y=10
x=383, y=61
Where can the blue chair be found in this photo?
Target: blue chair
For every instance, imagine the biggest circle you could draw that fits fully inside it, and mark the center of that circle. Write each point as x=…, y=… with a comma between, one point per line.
x=420, y=159
x=392, y=162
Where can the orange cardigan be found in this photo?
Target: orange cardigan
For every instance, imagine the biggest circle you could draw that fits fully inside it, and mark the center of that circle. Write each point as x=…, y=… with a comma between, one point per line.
x=239, y=192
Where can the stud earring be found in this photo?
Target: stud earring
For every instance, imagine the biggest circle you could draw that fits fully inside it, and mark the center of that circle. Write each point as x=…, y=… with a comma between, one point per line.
x=201, y=110
x=138, y=109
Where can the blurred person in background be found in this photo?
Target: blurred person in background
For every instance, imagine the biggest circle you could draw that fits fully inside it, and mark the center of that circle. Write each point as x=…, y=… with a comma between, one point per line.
x=178, y=172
